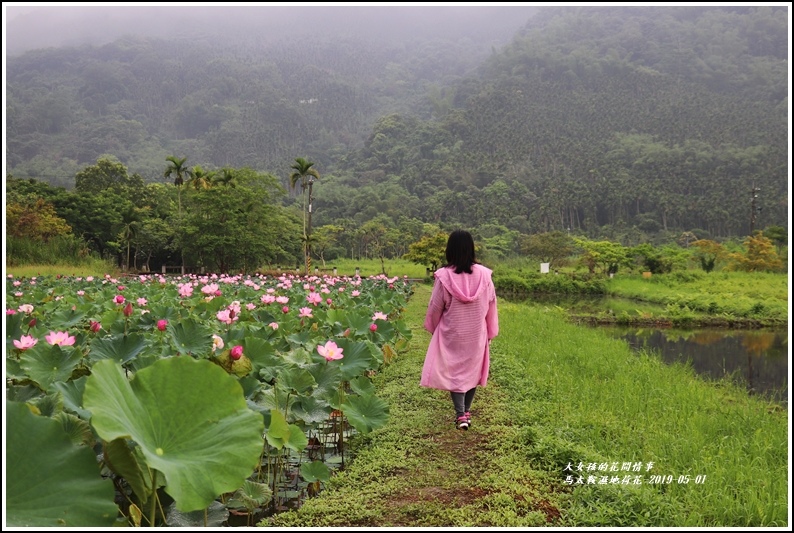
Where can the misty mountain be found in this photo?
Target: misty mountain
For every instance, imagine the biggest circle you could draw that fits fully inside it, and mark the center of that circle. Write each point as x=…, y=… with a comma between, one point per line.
x=581, y=117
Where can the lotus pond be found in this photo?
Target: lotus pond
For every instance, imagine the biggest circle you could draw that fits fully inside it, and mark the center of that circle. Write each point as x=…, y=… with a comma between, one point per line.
x=188, y=400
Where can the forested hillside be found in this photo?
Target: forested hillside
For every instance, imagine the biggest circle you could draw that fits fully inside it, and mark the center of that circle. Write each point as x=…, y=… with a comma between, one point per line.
x=630, y=123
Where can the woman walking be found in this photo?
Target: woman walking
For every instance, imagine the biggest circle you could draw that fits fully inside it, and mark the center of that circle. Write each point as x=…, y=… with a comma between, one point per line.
x=462, y=318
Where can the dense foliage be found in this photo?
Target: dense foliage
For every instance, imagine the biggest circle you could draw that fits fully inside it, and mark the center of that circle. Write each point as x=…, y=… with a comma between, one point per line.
x=627, y=124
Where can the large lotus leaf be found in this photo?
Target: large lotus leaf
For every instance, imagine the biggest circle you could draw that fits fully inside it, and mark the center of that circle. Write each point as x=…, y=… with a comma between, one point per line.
x=311, y=409
x=189, y=337
x=303, y=338
x=283, y=435
x=47, y=364
x=366, y=413
x=362, y=386
x=50, y=482
x=64, y=319
x=23, y=393
x=359, y=322
x=14, y=370
x=189, y=418
x=357, y=358
x=262, y=356
x=328, y=377
x=315, y=471
x=13, y=330
x=72, y=394
x=295, y=379
x=120, y=348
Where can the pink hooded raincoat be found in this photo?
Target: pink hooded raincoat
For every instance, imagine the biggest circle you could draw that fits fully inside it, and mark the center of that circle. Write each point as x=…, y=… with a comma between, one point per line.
x=462, y=317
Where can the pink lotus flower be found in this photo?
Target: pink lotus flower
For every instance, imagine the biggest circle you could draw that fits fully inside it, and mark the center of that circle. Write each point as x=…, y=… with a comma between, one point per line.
x=273, y=325
x=89, y=278
x=305, y=312
x=373, y=327
x=162, y=324
x=355, y=293
x=285, y=309
x=32, y=323
x=25, y=342
x=250, y=306
x=314, y=298
x=330, y=351
x=127, y=310
x=119, y=299
x=80, y=293
x=236, y=352
x=379, y=316
x=268, y=298
x=225, y=316
x=25, y=308
x=185, y=290
x=329, y=301
x=94, y=326
x=282, y=299
x=142, y=301
x=10, y=311
x=61, y=338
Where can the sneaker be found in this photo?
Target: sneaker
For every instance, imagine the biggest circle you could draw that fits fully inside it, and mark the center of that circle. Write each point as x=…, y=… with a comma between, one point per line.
x=462, y=422
x=467, y=414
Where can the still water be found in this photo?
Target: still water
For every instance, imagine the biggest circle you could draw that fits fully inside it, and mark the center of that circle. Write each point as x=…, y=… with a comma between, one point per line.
x=757, y=359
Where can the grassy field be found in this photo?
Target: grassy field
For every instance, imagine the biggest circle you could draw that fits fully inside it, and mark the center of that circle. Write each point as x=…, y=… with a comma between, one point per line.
x=561, y=398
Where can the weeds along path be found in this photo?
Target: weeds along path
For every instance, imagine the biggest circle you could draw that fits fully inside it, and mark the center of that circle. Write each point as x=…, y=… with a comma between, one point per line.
x=419, y=471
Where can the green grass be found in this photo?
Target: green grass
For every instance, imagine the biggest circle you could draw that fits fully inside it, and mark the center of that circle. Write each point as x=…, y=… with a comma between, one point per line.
x=95, y=268
x=731, y=294
x=558, y=395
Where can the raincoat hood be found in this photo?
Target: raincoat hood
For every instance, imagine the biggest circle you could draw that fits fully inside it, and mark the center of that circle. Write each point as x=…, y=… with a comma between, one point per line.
x=464, y=287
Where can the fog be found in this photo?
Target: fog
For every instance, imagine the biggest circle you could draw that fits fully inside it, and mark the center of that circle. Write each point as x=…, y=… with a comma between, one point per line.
x=30, y=26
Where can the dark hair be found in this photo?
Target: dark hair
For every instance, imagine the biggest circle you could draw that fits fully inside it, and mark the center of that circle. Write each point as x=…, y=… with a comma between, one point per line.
x=460, y=251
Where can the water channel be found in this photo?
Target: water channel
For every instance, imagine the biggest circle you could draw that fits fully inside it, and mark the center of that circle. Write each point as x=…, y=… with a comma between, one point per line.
x=756, y=359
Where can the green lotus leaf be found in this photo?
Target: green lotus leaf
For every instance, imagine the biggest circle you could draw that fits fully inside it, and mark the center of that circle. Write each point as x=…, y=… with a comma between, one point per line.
x=22, y=393
x=328, y=378
x=120, y=348
x=336, y=316
x=14, y=330
x=311, y=409
x=79, y=431
x=262, y=355
x=357, y=358
x=296, y=379
x=121, y=460
x=64, y=320
x=72, y=394
x=362, y=386
x=251, y=495
x=215, y=516
x=14, y=370
x=278, y=430
x=315, y=471
x=359, y=321
x=50, y=482
x=189, y=418
x=366, y=413
x=49, y=364
x=269, y=399
x=190, y=337
x=303, y=338
x=297, y=440
x=50, y=404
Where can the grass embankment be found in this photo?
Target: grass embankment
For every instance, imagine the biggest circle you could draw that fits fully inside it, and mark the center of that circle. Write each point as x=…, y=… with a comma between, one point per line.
x=560, y=395
x=717, y=298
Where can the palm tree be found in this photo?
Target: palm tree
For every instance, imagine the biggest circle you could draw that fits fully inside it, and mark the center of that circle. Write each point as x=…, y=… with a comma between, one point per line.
x=179, y=170
x=304, y=173
x=201, y=179
x=227, y=177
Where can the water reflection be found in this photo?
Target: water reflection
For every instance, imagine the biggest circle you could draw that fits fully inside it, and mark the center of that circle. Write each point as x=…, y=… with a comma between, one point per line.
x=757, y=359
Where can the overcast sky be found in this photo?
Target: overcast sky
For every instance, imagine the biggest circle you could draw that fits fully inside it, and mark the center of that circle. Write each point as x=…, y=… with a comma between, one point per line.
x=29, y=25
